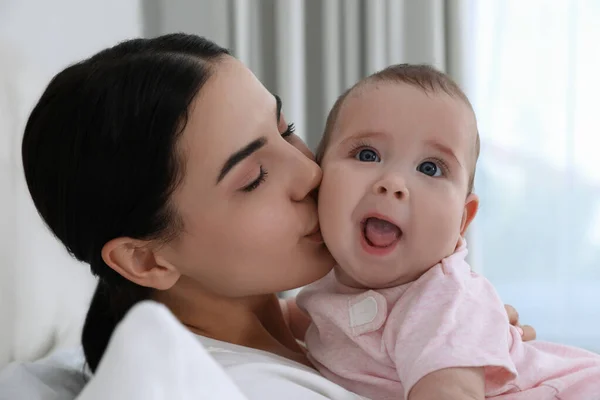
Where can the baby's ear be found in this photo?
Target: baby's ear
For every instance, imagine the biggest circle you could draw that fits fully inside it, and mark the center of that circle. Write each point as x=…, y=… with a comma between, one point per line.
x=469, y=212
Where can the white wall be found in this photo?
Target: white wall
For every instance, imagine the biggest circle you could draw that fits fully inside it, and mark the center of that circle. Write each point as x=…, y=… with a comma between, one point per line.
x=44, y=293
x=54, y=33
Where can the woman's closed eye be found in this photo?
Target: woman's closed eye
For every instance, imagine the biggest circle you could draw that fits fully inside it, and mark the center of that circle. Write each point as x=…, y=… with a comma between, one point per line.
x=262, y=175
x=262, y=172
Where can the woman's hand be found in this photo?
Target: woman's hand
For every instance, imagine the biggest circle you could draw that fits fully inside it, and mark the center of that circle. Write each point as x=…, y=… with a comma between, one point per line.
x=527, y=332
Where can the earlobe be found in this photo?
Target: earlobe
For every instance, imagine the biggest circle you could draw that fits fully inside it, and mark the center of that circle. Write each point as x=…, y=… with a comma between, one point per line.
x=469, y=212
x=136, y=261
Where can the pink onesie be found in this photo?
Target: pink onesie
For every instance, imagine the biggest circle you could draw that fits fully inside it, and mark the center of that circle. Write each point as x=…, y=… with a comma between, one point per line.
x=379, y=343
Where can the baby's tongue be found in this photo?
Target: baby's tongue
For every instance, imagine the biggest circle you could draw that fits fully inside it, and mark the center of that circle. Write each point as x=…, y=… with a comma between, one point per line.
x=381, y=233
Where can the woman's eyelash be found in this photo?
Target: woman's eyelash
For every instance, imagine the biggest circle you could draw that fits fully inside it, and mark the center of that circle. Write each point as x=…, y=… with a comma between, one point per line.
x=256, y=183
x=263, y=172
x=291, y=128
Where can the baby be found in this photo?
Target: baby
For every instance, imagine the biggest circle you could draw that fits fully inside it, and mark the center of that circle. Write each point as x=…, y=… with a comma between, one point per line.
x=402, y=309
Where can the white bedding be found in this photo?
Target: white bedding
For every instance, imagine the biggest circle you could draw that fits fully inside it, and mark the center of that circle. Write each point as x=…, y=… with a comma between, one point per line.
x=60, y=376
x=152, y=356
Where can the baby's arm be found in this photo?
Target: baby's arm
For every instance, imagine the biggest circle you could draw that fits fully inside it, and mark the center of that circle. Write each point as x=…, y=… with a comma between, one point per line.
x=445, y=330
x=451, y=384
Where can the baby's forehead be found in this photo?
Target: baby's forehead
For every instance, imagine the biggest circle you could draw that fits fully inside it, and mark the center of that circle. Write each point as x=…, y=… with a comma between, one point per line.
x=369, y=89
x=401, y=108
x=370, y=104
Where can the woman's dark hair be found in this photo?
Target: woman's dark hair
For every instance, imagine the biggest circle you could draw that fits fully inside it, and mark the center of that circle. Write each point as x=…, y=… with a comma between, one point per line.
x=100, y=159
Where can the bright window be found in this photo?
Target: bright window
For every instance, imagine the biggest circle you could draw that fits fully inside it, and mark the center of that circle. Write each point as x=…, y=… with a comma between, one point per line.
x=536, y=91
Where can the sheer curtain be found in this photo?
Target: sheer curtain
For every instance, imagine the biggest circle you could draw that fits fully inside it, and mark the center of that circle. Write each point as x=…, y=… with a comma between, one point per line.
x=535, y=87
x=310, y=51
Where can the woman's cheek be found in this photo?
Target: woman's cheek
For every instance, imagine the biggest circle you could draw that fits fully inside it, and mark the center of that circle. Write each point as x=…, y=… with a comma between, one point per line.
x=271, y=223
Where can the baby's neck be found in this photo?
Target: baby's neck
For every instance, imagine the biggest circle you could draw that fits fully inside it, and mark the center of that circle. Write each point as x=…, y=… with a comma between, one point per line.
x=347, y=280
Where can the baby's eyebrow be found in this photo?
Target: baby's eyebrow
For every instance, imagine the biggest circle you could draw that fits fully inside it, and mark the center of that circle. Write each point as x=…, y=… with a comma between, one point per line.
x=364, y=135
x=444, y=149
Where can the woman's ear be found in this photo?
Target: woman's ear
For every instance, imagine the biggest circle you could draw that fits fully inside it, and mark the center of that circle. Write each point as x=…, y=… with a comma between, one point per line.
x=469, y=212
x=137, y=261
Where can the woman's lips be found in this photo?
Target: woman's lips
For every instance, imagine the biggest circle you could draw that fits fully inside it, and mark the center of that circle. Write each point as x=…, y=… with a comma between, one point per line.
x=315, y=235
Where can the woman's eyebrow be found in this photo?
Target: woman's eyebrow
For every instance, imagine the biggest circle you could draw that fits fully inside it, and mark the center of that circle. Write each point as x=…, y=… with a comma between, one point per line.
x=250, y=148
x=241, y=155
x=278, y=109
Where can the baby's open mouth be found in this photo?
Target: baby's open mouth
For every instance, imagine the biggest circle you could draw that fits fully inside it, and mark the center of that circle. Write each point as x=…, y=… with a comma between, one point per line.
x=380, y=233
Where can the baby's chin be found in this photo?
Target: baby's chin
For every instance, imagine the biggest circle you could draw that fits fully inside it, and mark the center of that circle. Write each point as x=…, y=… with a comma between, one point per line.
x=364, y=279
x=367, y=278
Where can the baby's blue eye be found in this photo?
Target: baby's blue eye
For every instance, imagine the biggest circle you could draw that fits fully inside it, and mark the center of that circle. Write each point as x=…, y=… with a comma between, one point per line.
x=430, y=168
x=367, y=155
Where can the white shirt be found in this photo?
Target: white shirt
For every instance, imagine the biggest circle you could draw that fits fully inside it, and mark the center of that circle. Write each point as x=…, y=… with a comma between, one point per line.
x=263, y=375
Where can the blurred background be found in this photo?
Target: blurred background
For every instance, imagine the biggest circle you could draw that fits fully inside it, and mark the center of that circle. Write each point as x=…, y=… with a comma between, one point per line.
x=529, y=68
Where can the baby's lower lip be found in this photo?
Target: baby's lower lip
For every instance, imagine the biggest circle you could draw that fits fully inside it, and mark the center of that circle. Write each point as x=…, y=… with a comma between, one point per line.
x=373, y=250
x=376, y=251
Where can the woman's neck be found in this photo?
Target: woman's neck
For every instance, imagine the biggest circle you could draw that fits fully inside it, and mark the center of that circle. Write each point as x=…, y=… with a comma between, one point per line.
x=255, y=322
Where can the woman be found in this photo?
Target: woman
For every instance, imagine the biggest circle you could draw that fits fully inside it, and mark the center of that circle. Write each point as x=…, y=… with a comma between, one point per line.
x=167, y=166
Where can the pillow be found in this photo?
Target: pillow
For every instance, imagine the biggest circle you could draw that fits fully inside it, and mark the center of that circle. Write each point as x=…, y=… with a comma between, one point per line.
x=151, y=356
x=60, y=376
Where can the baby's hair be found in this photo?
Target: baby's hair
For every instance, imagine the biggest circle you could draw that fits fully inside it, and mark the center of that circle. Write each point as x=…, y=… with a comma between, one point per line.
x=421, y=76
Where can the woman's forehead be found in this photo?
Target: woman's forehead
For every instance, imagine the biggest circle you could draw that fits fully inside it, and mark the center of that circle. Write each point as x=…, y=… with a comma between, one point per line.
x=231, y=110
x=228, y=110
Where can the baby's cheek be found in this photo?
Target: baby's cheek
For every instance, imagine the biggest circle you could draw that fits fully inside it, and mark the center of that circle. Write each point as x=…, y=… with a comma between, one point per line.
x=443, y=221
x=327, y=209
x=332, y=207
x=331, y=191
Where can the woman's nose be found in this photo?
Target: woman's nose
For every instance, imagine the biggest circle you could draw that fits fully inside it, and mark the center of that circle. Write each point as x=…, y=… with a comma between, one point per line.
x=391, y=185
x=308, y=176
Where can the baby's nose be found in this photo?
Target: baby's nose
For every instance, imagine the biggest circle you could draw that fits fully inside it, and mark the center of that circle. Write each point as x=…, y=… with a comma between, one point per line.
x=391, y=186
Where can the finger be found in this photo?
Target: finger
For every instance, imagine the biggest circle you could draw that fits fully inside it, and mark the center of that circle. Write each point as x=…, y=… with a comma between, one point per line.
x=528, y=333
x=513, y=315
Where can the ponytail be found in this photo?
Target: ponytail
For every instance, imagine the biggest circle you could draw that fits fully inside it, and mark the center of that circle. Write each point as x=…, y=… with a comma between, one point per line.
x=109, y=305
